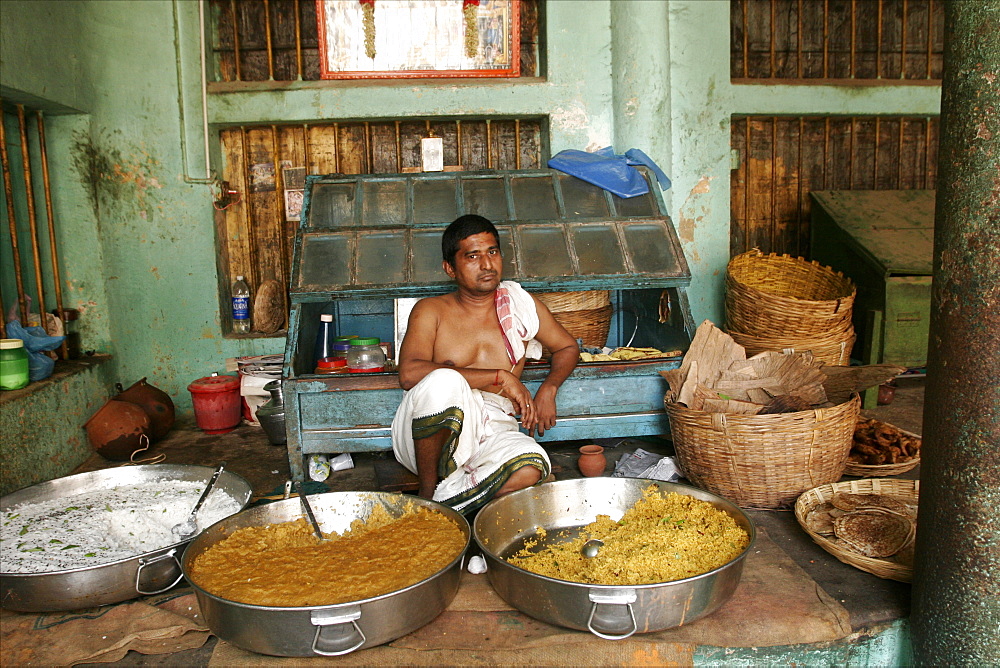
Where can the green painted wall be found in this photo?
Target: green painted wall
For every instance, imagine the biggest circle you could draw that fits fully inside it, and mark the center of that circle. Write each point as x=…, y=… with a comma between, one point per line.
x=137, y=234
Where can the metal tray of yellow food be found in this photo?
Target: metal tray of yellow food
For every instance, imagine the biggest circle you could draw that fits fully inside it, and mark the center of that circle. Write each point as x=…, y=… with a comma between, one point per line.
x=327, y=630
x=612, y=612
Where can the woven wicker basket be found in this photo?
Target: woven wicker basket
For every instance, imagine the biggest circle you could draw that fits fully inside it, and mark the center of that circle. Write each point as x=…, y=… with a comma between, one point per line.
x=833, y=350
x=769, y=295
x=763, y=461
x=558, y=302
x=590, y=326
x=908, y=490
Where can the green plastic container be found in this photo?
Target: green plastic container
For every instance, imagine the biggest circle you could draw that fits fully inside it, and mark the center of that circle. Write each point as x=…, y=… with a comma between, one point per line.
x=13, y=364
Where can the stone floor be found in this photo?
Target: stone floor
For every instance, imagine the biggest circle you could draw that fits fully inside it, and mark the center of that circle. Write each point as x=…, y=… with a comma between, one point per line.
x=868, y=599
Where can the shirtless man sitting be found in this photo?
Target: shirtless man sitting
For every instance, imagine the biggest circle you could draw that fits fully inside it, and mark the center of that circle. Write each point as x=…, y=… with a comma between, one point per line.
x=460, y=363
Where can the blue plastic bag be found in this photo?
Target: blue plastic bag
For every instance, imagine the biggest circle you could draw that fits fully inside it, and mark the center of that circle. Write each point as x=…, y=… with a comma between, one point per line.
x=36, y=340
x=605, y=169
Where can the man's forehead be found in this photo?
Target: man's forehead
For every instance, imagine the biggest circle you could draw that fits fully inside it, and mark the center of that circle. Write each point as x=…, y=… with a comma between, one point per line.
x=474, y=242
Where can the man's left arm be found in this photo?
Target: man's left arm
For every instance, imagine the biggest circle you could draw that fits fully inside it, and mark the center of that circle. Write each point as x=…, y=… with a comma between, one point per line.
x=565, y=355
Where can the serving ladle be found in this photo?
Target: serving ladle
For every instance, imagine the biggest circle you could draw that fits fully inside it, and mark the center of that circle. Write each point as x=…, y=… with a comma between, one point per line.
x=591, y=548
x=309, y=512
x=189, y=527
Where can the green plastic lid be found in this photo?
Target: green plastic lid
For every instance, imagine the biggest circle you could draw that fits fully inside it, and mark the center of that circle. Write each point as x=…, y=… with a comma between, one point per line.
x=347, y=338
x=365, y=342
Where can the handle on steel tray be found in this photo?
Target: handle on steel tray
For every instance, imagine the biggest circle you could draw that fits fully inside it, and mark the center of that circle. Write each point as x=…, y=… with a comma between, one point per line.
x=172, y=554
x=324, y=618
x=624, y=597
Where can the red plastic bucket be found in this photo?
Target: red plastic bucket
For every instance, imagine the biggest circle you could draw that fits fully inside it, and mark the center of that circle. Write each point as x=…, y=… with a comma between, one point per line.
x=216, y=403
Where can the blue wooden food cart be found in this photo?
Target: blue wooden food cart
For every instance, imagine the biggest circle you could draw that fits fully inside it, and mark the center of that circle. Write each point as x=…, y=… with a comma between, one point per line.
x=368, y=243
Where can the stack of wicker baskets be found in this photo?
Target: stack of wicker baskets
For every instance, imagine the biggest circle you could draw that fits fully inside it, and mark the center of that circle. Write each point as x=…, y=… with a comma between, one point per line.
x=778, y=302
x=585, y=315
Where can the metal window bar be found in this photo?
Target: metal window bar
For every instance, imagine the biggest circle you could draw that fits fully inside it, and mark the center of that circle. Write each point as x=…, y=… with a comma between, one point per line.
x=25, y=189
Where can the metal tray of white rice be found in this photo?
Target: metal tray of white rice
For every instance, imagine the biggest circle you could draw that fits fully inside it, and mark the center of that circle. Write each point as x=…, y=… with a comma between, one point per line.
x=104, y=537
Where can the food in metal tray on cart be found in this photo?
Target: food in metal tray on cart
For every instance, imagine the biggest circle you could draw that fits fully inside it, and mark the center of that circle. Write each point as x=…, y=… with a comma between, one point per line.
x=102, y=526
x=284, y=565
x=661, y=538
x=877, y=443
x=627, y=354
x=879, y=526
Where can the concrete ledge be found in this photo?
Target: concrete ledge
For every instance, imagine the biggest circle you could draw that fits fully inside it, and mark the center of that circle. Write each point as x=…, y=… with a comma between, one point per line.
x=41, y=426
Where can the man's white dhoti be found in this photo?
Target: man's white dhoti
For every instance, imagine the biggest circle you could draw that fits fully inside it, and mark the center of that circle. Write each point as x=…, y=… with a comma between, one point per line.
x=484, y=447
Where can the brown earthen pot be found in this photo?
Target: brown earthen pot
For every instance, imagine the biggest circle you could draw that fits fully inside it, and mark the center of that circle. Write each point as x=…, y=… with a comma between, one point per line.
x=157, y=404
x=118, y=430
x=592, y=460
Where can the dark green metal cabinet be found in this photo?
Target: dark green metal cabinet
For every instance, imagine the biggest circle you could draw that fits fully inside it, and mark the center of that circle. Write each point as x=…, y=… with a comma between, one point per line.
x=365, y=241
x=884, y=241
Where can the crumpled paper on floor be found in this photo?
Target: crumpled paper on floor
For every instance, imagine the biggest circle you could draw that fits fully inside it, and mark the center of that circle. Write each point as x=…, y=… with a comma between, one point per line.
x=647, y=465
x=160, y=624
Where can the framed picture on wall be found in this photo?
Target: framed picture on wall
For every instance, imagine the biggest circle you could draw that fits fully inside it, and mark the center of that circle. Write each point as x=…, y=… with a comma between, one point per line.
x=386, y=39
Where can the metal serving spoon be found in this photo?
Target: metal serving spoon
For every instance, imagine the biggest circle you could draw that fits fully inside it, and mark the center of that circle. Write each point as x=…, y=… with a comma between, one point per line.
x=309, y=512
x=189, y=527
x=591, y=548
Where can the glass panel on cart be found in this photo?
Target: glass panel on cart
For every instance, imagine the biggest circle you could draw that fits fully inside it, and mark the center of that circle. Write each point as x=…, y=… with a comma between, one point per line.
x=597, y=249
x=381, y=257
x=534, y=198
x=434, y=201
x=581, y=199
x=326, y=261
x=384, y=204
x=650, y=248
x=427, y=256
x=485, y=197
x=543, y=248
x=331, y=205
x=633, y=207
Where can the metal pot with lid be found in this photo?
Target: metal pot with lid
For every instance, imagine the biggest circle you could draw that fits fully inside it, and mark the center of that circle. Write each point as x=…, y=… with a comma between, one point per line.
x=327, y=630
x=613, y=612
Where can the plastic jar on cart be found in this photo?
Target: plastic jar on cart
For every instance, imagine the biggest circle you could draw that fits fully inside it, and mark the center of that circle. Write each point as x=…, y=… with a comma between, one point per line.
x=13, y=364
x=365, y=356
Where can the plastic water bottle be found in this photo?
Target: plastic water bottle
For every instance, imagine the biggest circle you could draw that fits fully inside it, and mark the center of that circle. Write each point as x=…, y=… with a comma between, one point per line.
x=241, y=306
x=325, y=337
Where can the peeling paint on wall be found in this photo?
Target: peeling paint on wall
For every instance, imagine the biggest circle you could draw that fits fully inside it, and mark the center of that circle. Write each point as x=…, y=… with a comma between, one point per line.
x=688, y=220
x=114, y=180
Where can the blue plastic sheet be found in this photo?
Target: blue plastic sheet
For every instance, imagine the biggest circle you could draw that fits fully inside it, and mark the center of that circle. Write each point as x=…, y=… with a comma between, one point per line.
x=36, y=341
x=607, y=170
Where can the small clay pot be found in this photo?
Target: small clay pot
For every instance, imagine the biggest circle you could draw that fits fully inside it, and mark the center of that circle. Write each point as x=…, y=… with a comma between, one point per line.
x=118, y=430
x=157, y=404
x=592, y=460
x=886, y=393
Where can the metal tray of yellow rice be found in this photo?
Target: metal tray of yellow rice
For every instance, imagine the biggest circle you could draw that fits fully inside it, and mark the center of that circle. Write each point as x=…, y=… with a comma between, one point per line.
x=635, y=590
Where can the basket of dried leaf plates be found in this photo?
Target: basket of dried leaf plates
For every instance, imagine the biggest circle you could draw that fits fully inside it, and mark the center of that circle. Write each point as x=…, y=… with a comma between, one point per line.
x=881, y=449
x=869, y=523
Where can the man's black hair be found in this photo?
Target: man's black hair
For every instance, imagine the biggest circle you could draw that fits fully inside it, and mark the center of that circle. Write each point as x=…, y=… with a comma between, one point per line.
x=461, y=228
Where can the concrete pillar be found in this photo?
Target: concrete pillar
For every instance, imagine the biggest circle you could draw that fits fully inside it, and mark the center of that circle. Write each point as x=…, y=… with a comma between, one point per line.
x=956, y=593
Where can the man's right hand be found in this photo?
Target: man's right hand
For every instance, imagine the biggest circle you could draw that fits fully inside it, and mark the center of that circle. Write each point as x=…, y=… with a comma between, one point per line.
x=512, y=388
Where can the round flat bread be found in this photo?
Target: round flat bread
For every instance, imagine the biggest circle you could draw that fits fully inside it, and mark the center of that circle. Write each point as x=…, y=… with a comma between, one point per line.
x=820, y=519
x=874, y=533
x=847, y=501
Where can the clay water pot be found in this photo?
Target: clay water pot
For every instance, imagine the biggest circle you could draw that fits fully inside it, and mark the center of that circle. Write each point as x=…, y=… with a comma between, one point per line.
x=592, y=460
x=118, y=430
x=155, y=402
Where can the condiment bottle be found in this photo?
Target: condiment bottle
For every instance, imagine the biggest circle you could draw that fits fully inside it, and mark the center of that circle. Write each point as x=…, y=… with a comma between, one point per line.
x=365, y=356
x=324, y=337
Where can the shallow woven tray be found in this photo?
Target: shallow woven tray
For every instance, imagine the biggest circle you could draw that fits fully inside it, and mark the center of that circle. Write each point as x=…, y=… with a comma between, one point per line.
x=779, y=295
x=834, y=349
x=763, y=461
x=881, y=470
x=908, y=490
